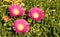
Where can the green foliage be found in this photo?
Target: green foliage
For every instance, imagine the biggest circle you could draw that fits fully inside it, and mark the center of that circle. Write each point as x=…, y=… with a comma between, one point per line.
x=48, y=27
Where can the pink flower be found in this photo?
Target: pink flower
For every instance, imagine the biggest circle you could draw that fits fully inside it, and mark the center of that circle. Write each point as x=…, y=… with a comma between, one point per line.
x=16, y=10
x=6, y=18
x=36, y=14
x=21, y=26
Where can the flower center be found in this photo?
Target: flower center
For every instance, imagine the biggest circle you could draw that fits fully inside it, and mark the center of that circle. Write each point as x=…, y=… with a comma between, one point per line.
x=15, y=11
x=20, y=27
x=35, y=15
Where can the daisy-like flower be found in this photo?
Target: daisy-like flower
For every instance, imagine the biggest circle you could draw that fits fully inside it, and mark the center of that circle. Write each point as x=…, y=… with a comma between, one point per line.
x=21, y=26
x=16, y=10
x=36, y=14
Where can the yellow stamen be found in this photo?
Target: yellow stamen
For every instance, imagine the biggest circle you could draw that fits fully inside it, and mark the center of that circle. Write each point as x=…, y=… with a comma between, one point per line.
x=35, y=15
x=20, y=27
x=15, y=11
x=7, y=0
